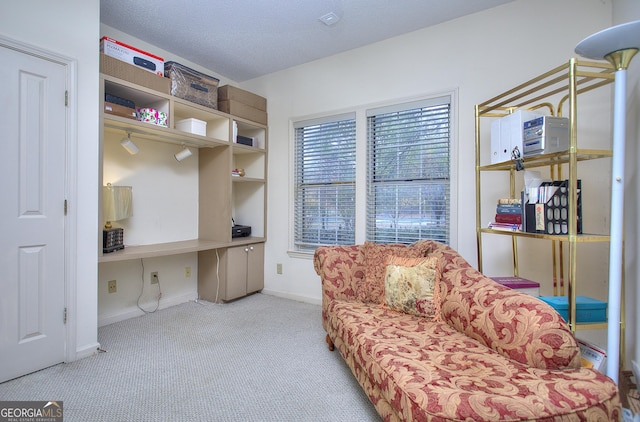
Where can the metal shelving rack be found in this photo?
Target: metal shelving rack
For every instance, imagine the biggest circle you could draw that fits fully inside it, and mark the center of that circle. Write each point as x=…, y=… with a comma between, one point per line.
x=564, y=84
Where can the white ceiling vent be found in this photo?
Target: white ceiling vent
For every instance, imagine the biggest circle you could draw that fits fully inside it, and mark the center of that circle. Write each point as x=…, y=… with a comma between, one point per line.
x=329, y=19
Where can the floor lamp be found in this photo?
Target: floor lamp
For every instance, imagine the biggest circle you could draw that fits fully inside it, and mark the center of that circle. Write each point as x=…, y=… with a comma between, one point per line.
x=617, y=45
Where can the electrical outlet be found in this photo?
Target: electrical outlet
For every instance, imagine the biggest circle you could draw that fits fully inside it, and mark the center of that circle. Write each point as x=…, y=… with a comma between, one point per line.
x=278, y=268
x=187, y=272
x=112, y=286
x=154, y=277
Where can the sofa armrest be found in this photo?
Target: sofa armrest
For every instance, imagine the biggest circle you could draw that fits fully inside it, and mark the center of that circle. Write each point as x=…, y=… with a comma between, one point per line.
x=516, y=325
x=341, y=270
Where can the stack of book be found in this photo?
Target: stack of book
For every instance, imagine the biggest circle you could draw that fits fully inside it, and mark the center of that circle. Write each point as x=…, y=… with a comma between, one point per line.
x=508, y=215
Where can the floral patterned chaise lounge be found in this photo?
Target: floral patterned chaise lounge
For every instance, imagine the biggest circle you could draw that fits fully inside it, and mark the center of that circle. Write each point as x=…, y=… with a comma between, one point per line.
x=429, y=338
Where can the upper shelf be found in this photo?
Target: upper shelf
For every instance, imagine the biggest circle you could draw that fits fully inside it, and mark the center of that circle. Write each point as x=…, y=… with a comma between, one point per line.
x=158, y=133
x=218, y=123
x=538, y=92
x=550, y=159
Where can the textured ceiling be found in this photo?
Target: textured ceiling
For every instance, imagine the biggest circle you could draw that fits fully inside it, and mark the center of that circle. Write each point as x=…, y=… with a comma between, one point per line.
x=245, y=39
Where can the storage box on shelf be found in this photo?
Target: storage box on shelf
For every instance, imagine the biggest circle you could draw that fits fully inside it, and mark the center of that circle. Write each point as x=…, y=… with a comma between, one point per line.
x=588, y=310
x=132, y=55
x=232, y=93
x=125, y=71
x=191, y=85
x=191, y=125
x=243, y=104
x=563, y=84
x=219, y=199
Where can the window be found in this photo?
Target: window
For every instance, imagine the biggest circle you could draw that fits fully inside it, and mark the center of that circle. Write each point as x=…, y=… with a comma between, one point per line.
x=325, y=173
x=408, y=166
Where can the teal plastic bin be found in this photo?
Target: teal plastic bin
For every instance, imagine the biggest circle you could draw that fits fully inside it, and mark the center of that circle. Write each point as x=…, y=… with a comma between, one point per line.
x=587, y=309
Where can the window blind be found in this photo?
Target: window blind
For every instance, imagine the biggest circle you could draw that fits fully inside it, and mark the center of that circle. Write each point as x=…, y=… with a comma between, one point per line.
x=408, y=167
x=325, y=163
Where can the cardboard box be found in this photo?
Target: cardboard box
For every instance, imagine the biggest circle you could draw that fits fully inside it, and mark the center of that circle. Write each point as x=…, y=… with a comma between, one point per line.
x=125, y=71
x=242, y=110
x=587, y=309
x=228, y=92
x=134, y=56
x=521, y=284
x=120, y=110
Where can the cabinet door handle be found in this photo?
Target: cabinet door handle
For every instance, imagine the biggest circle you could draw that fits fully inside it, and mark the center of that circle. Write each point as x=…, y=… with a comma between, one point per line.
x=246, y=249
x=250, y=248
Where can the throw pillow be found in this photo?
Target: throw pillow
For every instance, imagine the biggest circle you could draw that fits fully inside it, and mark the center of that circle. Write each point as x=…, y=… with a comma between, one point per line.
x=411, y=286
x=371, y=289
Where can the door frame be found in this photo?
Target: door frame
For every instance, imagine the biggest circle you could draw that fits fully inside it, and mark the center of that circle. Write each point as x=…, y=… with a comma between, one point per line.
x=71, y=183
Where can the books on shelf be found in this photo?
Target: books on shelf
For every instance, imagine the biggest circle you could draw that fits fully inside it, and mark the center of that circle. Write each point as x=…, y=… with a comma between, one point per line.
x=509, y=201
x=509, y=213
x=505, y=226
x=509, y=218
x=519, y=283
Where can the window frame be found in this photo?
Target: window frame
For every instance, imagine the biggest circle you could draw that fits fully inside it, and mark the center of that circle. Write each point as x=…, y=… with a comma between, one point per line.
x=336, y=185
x=388, y=130
x=361, y=166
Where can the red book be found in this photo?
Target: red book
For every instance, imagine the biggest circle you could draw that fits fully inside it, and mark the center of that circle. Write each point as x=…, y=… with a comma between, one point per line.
x=509, y=218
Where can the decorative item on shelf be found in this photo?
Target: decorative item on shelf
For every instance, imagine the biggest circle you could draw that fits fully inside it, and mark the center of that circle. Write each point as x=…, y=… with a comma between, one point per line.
x=617, y=45
x=184, y=153
x=129, y=145
x=117, y=204
x=238, y=172
x=153, y=116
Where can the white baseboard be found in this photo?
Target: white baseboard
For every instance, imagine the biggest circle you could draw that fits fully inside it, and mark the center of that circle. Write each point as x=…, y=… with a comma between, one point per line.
x=136, y=312
x=299, y=298
x=85, y=351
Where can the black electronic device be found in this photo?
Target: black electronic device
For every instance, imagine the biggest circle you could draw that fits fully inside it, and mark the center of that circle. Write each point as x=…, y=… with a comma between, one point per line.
x=139, y=61
x=238, y=230
x=245, y=140
x=112, y=240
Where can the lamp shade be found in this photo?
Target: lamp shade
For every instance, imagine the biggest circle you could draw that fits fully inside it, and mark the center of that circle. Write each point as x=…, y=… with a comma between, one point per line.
x=117, y=202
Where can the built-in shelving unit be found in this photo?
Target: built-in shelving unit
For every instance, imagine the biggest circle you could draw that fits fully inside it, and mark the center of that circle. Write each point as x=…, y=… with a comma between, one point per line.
x=562, y=85
x=221, y=196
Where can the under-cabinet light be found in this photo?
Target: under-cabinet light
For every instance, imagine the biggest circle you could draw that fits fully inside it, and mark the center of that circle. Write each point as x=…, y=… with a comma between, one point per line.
x=128, y=144
x=185, y=153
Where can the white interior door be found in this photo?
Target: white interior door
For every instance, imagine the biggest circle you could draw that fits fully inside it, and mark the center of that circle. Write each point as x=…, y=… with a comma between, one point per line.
x=32, y=248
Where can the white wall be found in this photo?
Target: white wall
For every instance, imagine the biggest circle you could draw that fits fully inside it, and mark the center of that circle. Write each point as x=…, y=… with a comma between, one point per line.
x=479, y=55
x=71, y=29
x=165, y=209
